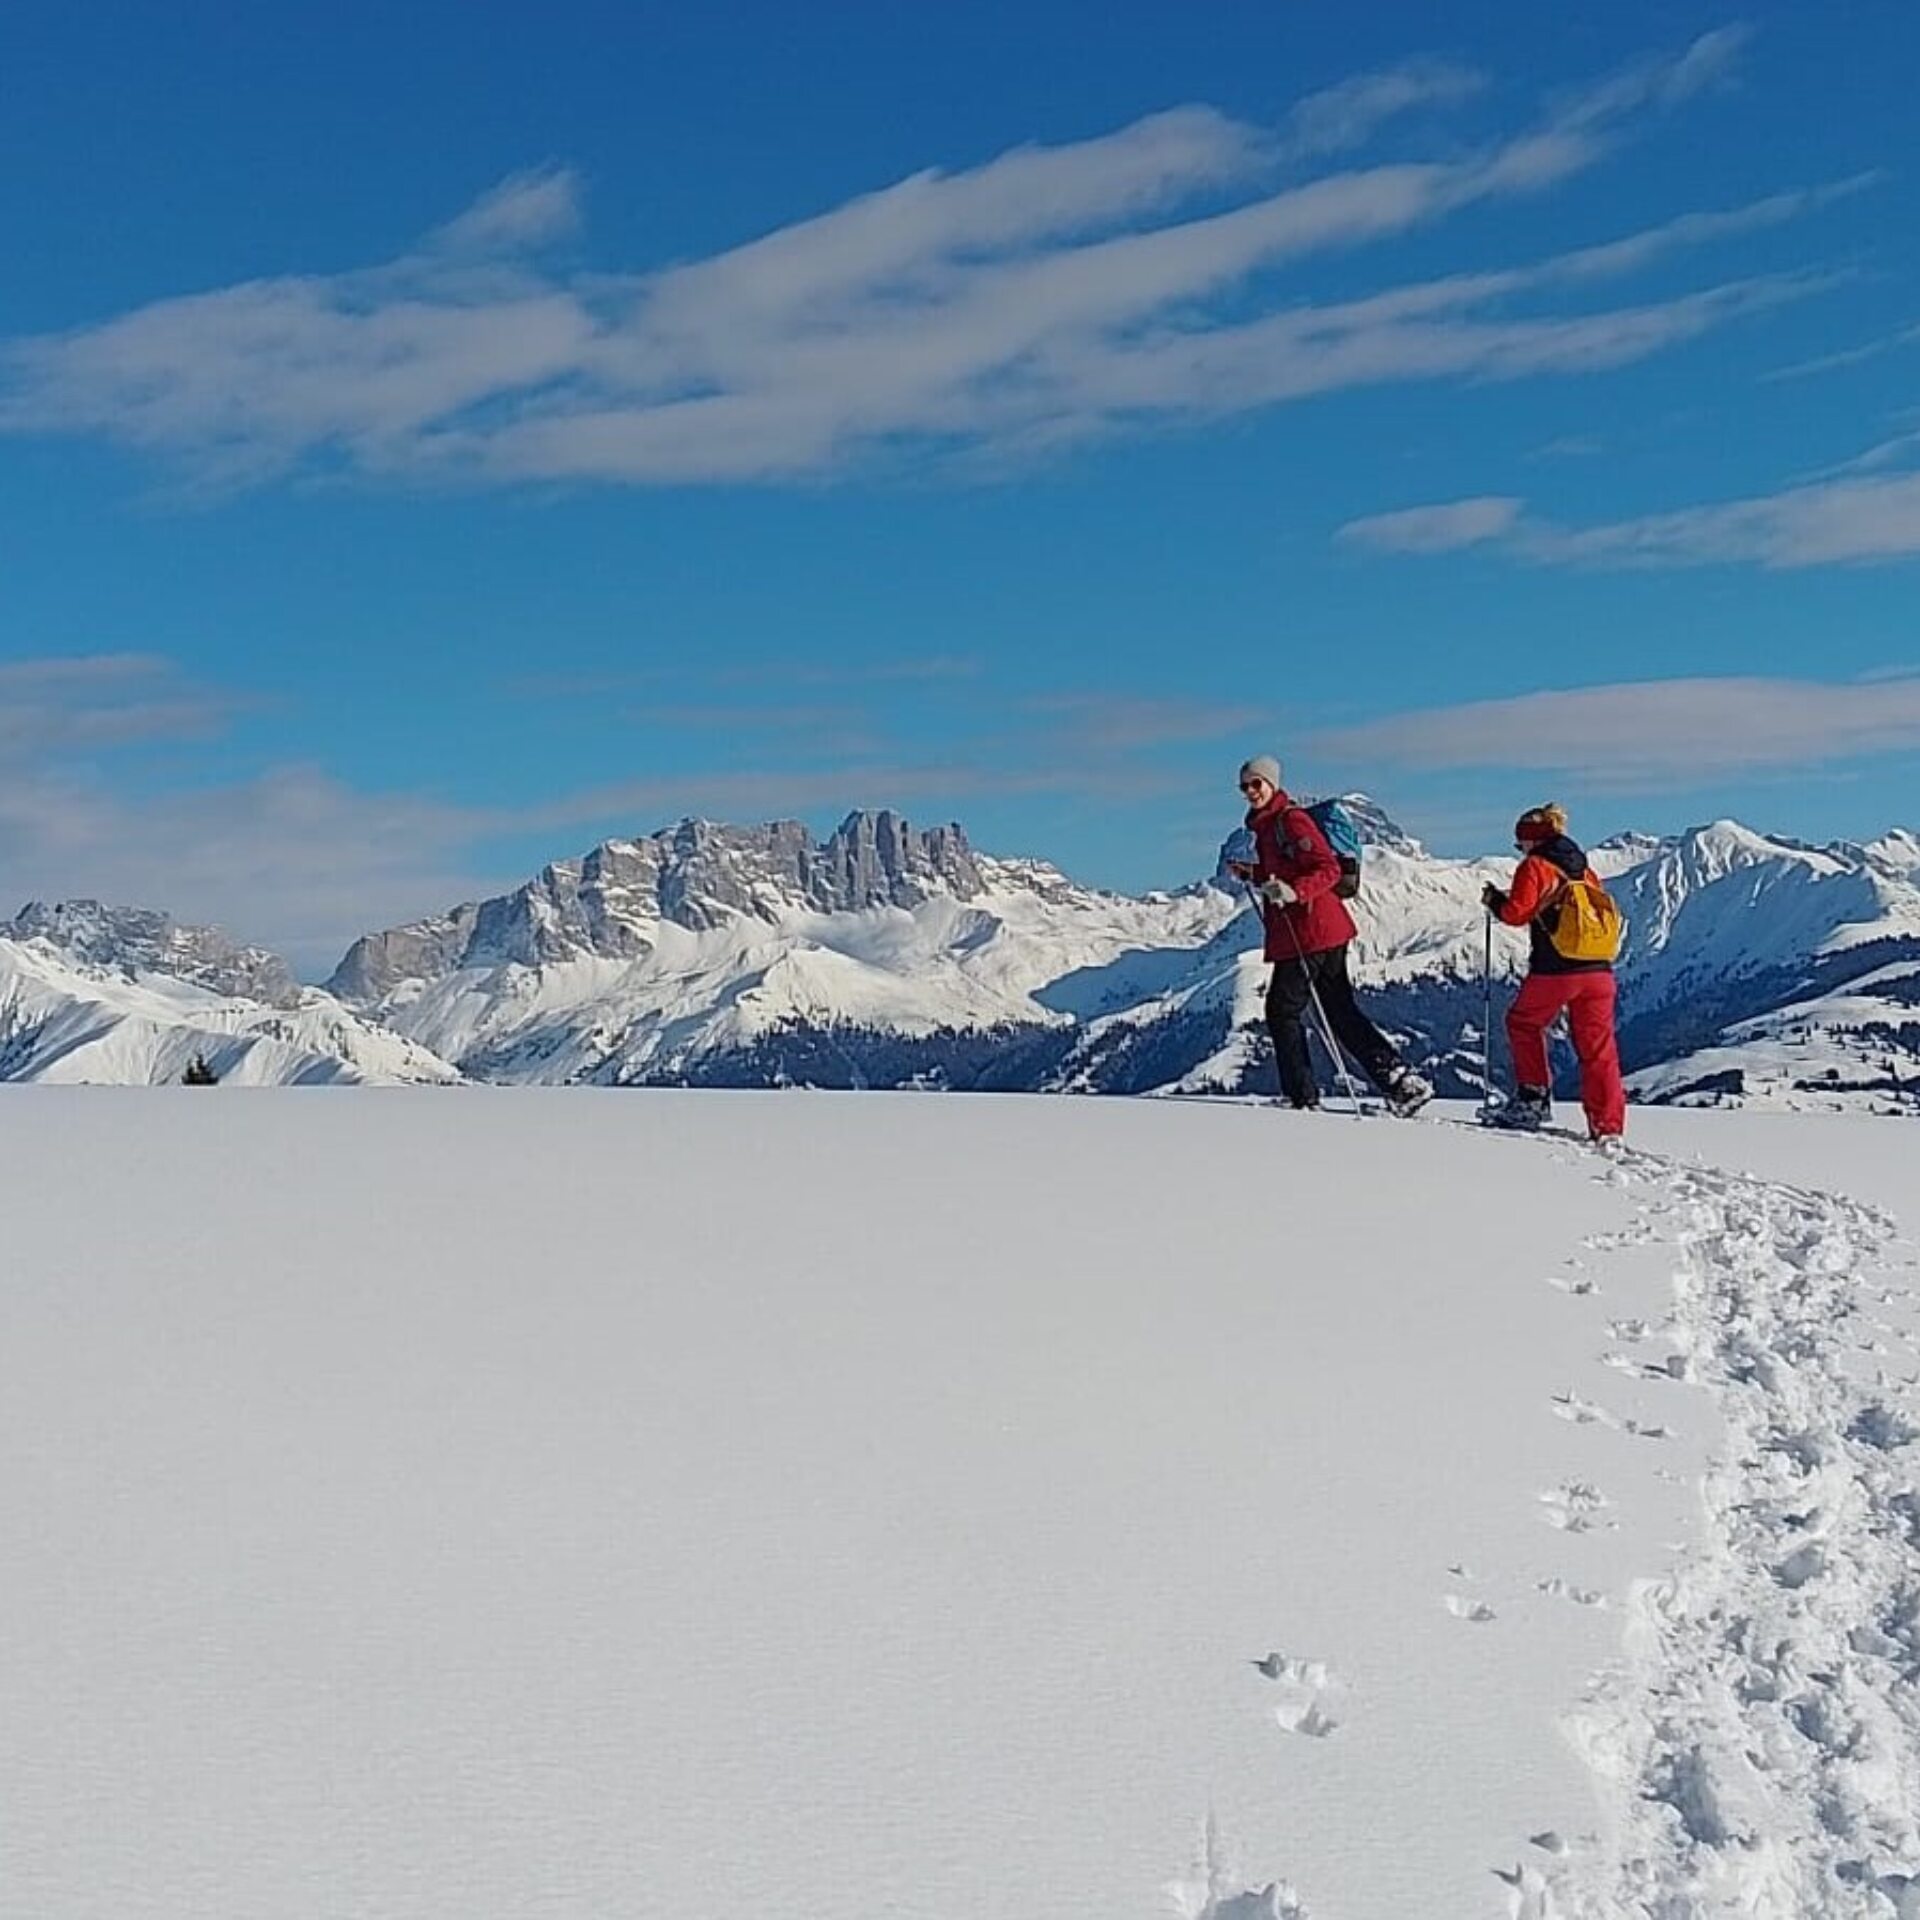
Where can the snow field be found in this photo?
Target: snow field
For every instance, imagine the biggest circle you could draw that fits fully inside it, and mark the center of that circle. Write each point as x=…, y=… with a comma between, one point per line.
x=523, y=1503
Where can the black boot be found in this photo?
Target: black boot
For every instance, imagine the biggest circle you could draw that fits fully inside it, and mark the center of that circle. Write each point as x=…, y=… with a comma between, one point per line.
x=1527, y=1112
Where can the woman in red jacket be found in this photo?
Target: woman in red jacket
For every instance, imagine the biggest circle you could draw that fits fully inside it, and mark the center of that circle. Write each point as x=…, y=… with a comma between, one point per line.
x=1308, y=930
x=1581, y=989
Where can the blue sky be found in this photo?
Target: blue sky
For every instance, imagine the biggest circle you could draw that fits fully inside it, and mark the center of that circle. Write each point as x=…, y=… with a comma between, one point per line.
x=433, y=439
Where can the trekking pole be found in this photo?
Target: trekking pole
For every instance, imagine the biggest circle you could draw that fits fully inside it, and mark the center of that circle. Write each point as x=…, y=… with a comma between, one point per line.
x=1320, y=1013
x=1486, y=1017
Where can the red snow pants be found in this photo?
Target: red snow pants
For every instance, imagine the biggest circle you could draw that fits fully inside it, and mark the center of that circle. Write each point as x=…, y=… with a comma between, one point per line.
x=1587, y=1001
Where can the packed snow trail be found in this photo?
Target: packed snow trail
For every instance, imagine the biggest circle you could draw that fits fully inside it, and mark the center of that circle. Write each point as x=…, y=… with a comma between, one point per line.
x=1759, y=1750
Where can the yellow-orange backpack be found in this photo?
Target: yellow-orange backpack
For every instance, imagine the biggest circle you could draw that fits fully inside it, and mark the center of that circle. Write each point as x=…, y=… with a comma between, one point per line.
x=1583, y=921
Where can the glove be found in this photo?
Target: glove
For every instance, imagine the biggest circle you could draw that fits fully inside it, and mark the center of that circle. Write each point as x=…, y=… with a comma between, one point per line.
x=1492, y=898
x=1279, y=892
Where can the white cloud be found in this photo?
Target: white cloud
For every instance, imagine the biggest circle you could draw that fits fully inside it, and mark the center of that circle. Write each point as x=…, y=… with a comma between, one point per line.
x=1048, y=295
x=1845, y=357
x=83, y=703
x=525, y=210
x=1901, y=449
x=1842, y=521
x=1647, y=733
x=1443, y=529
x=1833, y=523
x=289, y=857
x=1349, y=114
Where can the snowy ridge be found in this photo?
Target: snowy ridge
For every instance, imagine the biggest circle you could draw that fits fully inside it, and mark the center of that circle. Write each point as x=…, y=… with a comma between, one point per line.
x=135, y=940
x=130, y=1021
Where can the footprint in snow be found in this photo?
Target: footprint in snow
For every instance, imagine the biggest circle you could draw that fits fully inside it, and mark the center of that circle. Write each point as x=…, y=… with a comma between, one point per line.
x=1577, y=1284
x=1582, y=1412
x=1305, y=1717
x=1574, y=1507
x=1558, y=1589
x=1675, y=1366
x=1299, y=1673
x=1462, y=1608
x=1302, y=1682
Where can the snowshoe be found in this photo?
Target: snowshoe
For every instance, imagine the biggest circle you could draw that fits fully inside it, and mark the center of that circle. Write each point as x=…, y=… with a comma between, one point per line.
x=1528, y=1111
x=1406, y=1093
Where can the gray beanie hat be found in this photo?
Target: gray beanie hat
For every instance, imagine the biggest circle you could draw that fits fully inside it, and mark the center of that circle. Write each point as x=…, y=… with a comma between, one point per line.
x=1263, y=766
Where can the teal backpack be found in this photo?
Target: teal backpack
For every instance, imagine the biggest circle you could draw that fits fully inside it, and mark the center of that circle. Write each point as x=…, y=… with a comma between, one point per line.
x=1343, y=836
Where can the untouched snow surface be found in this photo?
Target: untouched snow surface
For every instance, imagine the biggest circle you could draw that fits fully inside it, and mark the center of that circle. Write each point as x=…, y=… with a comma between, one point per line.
x=550, y=1504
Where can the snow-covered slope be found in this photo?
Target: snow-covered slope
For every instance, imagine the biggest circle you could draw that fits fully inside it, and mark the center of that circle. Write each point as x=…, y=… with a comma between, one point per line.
x=1762, y=968
x=677, y=1508
x=123, y=996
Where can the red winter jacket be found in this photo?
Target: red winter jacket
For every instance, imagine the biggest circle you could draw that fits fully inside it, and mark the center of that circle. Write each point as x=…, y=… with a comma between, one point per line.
x=1290, y=847
x=1538, y=878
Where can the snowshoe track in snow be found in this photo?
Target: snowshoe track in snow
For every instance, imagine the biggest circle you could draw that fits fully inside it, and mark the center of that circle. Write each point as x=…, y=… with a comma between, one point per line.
x=1758, y=1750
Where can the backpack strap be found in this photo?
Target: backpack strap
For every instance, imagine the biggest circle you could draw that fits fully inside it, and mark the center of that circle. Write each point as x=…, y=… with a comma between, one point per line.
x=1557, y=897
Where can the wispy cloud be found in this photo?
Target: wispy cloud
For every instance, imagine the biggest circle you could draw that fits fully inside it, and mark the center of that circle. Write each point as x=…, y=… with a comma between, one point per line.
x=1897, y=450
x=525, y=211
x=1846, y=357
x=1047, y=296
x=1570, y=446
x=1438, y=529
x=290, y=856
x=80, y=703
x=1348, y=115
x=1837, y=522
x=1650, y=733
x=288, y=853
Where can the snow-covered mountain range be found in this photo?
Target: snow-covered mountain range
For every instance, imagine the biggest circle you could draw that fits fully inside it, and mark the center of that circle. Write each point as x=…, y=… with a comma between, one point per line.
x=123, y=996
x=1759, y=970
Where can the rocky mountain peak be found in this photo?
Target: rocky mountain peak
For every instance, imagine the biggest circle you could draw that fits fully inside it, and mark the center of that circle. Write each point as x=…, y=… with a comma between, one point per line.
x=1378, y=828
x=698, y=874
x=142, y=940
x=877, y=859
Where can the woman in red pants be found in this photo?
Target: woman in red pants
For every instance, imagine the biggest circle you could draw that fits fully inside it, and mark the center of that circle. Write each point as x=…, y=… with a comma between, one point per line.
x=1582, y=989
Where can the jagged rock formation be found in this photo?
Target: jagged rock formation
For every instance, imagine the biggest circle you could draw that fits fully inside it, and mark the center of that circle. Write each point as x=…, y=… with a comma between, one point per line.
x=611, y=903
x=137, y=940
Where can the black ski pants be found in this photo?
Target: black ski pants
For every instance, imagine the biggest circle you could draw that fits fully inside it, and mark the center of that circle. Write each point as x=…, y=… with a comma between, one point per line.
x=1290, y=1005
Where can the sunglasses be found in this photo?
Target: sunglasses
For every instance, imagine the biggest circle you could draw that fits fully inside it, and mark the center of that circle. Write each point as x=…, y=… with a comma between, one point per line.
x=1254, y=786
